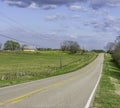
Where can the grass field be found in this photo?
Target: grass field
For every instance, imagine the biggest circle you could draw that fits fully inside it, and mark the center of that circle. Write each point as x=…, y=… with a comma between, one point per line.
x=18, y=67
x=108, y=92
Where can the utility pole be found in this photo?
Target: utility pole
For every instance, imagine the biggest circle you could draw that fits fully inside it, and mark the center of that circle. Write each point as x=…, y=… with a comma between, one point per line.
x=60, y=59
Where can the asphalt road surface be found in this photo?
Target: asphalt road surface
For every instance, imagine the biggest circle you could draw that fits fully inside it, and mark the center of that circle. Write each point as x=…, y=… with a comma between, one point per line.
x=64, y=91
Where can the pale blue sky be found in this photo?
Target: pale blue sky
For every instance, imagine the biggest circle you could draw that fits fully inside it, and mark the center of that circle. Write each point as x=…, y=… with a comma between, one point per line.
x=46, y=23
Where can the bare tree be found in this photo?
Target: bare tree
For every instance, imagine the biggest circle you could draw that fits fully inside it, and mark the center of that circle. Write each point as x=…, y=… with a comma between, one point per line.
x=116, y=51
x=110, y=47
x=117, y=39
x=70, y=46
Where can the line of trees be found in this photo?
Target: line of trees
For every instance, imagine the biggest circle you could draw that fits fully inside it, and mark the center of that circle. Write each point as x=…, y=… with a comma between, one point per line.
x=69, y=46
x=114, y=49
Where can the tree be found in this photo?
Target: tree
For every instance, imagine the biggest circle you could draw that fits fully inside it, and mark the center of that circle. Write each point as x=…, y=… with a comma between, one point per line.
x=116, y=53
x=110, y=47
x=70, y=46
x=115, y=50
x=11, y=45
x=117, y=39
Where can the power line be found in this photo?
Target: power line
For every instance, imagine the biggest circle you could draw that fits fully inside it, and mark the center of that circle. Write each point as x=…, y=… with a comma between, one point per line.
x=22, y=26
x=5, y=36
x=10, y=19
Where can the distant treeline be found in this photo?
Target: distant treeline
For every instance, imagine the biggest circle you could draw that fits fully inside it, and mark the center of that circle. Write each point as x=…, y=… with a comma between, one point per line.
x=46, y=49
x=99, y=51
x=69, y=46
x=16, y=46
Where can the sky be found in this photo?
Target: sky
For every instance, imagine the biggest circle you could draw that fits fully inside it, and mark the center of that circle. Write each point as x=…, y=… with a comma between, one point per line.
x=47, y=23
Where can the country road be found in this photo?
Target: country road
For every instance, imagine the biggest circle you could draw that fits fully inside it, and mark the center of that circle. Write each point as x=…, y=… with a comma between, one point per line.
x=64, y=91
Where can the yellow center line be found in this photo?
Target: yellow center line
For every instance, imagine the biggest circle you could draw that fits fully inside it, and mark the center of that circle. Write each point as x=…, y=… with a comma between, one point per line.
x=59, y=83
x=14, y=102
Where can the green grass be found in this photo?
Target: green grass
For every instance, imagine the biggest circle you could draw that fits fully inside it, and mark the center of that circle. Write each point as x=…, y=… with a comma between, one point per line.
x=18, y=67
x=108, y=92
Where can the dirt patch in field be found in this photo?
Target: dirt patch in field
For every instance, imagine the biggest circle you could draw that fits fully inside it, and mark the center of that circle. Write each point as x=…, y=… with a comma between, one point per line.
x=117, y=85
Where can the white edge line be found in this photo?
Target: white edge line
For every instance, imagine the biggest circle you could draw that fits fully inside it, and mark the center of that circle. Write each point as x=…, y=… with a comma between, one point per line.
x=93, y=92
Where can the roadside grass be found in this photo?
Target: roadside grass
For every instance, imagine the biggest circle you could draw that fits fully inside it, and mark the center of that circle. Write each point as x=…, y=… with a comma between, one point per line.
x=108, y=91
x=19, y=67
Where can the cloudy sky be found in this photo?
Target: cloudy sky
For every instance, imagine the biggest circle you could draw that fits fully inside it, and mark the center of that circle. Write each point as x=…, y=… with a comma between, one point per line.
x=47, y=23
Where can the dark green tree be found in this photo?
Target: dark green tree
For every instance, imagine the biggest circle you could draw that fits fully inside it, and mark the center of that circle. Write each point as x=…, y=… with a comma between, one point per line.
x=11, y=45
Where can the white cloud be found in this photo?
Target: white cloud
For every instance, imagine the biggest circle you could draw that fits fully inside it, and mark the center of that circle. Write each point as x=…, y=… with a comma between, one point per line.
x=106, y=23
x=73, y=36
x=96, y=4
x=62, y=16
x=51, y=34
x=13, y=2
x=113, y=2
x=33, y=6
x=52, y=4
x=56, y=17
x=76, y=17
x=49, y=7
x=77, y=8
